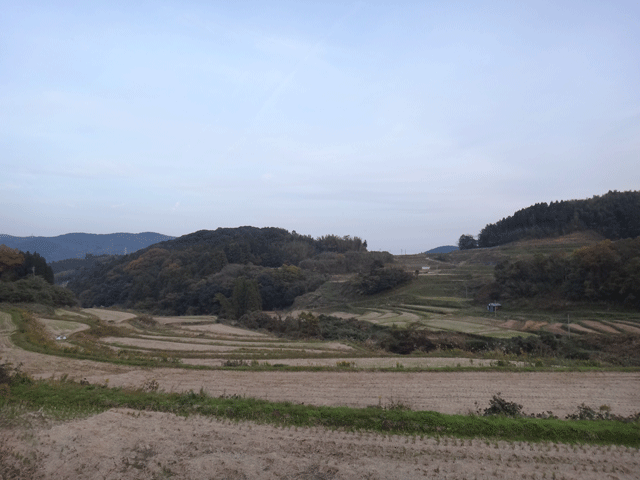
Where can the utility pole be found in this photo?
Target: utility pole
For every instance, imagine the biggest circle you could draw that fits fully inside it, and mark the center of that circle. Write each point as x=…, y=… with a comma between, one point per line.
x=568, y=325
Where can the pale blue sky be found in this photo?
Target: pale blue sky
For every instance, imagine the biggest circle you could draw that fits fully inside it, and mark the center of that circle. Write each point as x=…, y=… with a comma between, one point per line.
x=404, y=123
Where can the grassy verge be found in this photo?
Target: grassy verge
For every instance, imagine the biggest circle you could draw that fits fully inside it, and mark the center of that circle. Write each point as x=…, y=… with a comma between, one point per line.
x=65, y=397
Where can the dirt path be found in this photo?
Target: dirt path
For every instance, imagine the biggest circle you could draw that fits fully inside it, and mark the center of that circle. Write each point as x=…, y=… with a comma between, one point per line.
x=126, y=444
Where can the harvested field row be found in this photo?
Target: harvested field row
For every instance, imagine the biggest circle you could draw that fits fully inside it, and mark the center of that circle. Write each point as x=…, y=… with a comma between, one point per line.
x=214, y=346
x=445, y=392
x=62, y=327
x=384, y=317
x=268, y=342
x=599, y=326
x=221, y=329
x=360, y=362
x=126, y=444
x=109, y=315
x=71, y=313
x=626, y=327
x=185, y=319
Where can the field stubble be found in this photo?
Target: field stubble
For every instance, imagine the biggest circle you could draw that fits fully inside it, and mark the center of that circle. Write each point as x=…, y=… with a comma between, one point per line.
x=128, y=444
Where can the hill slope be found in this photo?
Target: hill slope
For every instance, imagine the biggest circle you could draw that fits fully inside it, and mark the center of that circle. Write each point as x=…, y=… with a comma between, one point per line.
x=614, y=215
x=201, y=272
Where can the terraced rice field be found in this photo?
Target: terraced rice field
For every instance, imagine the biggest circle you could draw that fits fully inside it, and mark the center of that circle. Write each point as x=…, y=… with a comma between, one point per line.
x=124, y=444
x=62, y=327
x=128, y=444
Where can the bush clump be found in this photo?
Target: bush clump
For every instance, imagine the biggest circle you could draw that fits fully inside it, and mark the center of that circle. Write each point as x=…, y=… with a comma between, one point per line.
x=500, y=406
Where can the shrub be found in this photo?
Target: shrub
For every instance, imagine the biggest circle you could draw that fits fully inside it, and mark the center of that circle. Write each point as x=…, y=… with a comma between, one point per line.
x=499, y=406
x=235, y=363
x=5, y=374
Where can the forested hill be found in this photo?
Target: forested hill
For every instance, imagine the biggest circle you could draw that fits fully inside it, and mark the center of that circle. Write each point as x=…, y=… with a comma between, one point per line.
x=615, y=215
x=195, y=273
x=78, y=245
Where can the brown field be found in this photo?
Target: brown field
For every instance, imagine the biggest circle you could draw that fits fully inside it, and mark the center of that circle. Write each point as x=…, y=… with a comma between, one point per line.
x=626, y=327
x=62, y=327
x=127, y=444
x=364, y=362
x=109, y=315
x=599, y=326
x=220, y=329
x=576, y=327
x=447, y=392
x=186, y=319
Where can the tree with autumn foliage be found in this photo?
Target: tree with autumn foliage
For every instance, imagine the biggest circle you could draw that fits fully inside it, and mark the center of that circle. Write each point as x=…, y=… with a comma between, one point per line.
x=10, y=259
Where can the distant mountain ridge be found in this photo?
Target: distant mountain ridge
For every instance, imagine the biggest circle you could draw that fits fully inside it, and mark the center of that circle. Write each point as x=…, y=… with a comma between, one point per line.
x=78, y=245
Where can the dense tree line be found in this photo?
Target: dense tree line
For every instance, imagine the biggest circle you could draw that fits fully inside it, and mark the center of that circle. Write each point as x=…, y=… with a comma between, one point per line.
x=607, y=271
x=615, y=215
x=26, y=278
x=228, y=271
x=269, y=247
x=380, y=278
x=467, y=242
x=326, y=327
x=15, y=265
x=70, y=264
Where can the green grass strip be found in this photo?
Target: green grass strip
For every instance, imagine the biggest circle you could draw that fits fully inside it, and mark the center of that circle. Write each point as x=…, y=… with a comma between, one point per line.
x=66, y=396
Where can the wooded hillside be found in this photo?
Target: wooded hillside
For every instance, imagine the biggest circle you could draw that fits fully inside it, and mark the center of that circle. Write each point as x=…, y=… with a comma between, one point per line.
x=228, y=270
x=614, y=215
x=605, y=272
x=26, y=278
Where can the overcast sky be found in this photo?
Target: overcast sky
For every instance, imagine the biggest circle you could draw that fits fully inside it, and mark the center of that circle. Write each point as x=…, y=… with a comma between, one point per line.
x=404, y=123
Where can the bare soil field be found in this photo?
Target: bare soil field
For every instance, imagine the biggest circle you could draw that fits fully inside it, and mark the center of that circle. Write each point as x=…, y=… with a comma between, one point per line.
x=266, y=341
x=126, y=444
x=185, y=319
x=599, y=326
x=576, y=327
x=221, y=329
x=364, y=362
x=62, y=327
x=626, y=327
x=446, y=392
x=109, y=315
